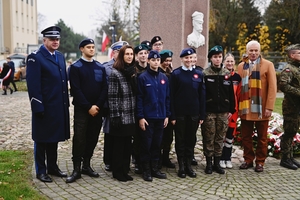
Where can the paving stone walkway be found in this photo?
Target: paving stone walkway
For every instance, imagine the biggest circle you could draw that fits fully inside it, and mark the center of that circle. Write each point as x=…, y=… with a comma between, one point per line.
x=274, y=183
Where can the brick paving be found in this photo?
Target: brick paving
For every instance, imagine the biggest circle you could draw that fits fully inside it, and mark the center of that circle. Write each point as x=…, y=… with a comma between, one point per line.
x=274, y=183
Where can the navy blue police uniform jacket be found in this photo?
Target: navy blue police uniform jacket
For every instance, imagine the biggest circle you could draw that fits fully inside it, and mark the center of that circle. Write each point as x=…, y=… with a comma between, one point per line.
x=48, y=92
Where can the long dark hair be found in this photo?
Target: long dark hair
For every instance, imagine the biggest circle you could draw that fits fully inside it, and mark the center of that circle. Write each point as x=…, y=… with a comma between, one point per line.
x=120, y=63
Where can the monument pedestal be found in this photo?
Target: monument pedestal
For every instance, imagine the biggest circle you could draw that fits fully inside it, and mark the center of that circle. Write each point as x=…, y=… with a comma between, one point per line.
x=172, y=21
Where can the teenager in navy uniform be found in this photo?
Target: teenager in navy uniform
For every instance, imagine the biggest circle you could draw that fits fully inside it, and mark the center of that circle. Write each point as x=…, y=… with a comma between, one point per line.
x=187, y=110
x=48, y=94
x=153, y=111
x=89, y=90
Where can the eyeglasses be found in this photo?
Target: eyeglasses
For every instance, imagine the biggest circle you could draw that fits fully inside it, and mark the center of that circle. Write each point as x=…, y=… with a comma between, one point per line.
x=157, y=44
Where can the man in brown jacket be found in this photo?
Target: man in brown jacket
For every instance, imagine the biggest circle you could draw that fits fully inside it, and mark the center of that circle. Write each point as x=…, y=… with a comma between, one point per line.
x=256, y=103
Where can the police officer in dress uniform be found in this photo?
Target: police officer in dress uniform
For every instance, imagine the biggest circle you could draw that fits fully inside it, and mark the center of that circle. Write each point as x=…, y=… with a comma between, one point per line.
x=289, y=84
x=107, y=151
x=49, y=99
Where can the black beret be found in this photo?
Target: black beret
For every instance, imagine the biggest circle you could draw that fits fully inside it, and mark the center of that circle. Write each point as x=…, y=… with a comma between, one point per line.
x=51, y=32
x=215, y=50
x=147, y=43
x=140, y=48
x=186, y=52
x=86, y=41
x=155, y=39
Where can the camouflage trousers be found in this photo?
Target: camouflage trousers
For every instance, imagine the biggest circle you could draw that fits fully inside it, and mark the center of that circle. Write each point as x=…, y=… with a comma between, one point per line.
x=290, y=126
x=213, y=132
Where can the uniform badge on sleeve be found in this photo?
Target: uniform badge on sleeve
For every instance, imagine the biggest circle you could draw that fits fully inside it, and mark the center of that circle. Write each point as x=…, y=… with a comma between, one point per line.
x=196, y=76
x=163, y=81
x=226, y=77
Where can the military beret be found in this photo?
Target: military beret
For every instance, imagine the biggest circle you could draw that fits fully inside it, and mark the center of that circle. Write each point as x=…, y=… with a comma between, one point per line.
x=86, y=41
x=155, y=39
x=51, y=32
x=215, y=50
x=147, y=43
x=153, y=54
x=140, y=47
x=166, y=53
x=118, y=45
x=186, y=52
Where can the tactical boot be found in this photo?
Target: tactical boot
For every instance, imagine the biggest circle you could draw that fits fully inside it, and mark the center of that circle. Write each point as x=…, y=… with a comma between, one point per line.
x=294, y=160
x=217, y=166
x=208, y=169
x=188, y=169
x=76, y=174
x=4, y=92
x=156, y=172
x=287, y=163
x=181, y=172
x=147, y=172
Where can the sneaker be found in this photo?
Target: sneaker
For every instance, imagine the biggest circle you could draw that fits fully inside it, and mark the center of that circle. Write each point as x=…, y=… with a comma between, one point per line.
x=228, y=164
x=222, y=164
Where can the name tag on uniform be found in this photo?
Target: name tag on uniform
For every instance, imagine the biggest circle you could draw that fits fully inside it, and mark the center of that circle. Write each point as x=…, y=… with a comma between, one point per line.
x=148, y=85
x=211, y=80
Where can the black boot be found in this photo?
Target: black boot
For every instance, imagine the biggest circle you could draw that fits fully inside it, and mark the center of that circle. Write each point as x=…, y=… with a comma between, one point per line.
x=217, y=166
x=87, y=169
x=287, y=162
x=294, y=161
x=155, y=172
x=137, y=169
x=147, y=172
x=194, y=161
x=188, y=169
x=166, y=161
x=11, y=90
x=208, y=168
x=76, y=174
x=181, y=171
x=4, y=92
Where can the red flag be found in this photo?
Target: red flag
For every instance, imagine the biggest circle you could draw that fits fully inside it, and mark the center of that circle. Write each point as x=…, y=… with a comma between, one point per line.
x=105, y=41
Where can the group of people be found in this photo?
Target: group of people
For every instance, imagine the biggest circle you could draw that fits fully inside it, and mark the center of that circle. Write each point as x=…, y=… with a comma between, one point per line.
x=141, y=100
x=7, y=75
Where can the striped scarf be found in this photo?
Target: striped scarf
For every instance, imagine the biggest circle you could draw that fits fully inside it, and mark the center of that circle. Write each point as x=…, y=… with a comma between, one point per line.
x=251, y=85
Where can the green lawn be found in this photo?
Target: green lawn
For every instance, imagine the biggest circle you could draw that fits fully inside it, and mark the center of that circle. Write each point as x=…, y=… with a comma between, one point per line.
x=277, y=107
x=15, y=176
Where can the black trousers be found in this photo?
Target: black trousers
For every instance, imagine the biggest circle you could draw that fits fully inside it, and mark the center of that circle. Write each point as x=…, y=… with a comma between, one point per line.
x=42, y=152
x=185, y=136
x=167, y=138
x=107, y=149
x=86, y=133
x=121, y=155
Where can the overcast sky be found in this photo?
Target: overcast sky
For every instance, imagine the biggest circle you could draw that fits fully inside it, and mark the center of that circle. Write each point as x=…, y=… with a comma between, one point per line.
x=81, y=15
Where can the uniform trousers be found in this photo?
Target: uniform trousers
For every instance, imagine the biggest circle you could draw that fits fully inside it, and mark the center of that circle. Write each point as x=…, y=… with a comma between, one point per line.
x=151, y=140
x=167, y=138
x=86, y=133
x=213, y=131
x=45, y=151
x=185, y=136
x=262, y=141
x=291, y=125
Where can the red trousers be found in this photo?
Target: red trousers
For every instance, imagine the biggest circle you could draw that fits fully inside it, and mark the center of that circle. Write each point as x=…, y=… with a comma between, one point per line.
x=262, y=141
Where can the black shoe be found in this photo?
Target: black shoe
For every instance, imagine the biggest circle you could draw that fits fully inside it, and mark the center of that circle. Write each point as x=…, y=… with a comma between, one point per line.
x=16, y=90
x=137, y=169
x=74, y=176
x=208, y=169
x=158, y=174
x=89, y=171
x=57, y=172
x=167, y=163
x=181, y=174
x=121, y=178
x=129, y=178
x=44, y=178
x=194, y=162
x=287, y=163
x=147, y=176
x=108, y=168
x=11, y=91
x=190, y=172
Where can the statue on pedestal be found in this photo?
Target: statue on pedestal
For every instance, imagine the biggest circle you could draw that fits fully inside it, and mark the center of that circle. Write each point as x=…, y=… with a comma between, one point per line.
x=196, y=39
